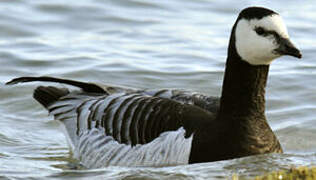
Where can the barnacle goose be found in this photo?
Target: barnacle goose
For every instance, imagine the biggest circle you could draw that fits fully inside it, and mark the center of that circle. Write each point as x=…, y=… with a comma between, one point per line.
x=119, y=126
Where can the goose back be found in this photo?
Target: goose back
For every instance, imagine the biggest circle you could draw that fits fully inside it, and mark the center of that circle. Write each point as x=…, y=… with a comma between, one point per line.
x=209, y=103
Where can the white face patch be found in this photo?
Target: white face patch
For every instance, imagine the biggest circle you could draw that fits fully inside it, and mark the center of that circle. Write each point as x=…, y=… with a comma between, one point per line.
x=259, y=49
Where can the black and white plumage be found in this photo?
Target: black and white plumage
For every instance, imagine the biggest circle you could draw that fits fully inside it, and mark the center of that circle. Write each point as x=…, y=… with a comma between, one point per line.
x=109, y=125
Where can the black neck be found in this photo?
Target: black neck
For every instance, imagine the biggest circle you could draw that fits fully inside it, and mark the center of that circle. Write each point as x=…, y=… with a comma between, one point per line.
x=243, y=91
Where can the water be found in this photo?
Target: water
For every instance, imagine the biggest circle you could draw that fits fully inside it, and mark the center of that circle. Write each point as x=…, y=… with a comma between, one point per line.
x=156, y=44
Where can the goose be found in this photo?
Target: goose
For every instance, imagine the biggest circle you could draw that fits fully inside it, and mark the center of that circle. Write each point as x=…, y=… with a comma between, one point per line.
x=118, y=126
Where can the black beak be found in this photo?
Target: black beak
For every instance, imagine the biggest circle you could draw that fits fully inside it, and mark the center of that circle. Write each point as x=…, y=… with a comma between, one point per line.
x=287, y=48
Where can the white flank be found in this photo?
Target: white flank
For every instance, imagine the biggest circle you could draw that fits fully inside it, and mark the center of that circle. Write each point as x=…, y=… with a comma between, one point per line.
x=256, y=49
x=95, y=150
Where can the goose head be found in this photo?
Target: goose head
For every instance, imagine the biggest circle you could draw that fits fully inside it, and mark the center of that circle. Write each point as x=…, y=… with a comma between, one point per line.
x=260, y=36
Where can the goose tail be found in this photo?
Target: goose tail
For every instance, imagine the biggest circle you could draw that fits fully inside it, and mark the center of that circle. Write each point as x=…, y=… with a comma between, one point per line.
x=47, y=95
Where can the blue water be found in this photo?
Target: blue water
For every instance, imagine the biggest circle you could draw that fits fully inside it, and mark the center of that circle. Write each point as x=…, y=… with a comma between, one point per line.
x=139, y=43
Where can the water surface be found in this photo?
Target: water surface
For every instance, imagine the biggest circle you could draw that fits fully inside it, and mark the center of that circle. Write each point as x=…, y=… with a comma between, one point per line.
x=139, y=43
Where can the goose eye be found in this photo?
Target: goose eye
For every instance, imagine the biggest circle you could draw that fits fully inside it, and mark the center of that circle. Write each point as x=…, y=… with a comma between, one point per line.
x=259, y=30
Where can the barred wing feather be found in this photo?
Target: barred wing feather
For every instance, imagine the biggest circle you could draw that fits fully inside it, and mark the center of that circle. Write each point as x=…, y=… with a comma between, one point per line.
x=123, y=129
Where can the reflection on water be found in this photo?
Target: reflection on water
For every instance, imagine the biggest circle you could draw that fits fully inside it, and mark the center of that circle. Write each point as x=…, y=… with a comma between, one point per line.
x=176, y=44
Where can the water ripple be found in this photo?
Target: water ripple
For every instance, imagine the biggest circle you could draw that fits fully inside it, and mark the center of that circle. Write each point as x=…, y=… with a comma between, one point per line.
x=177, y=44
